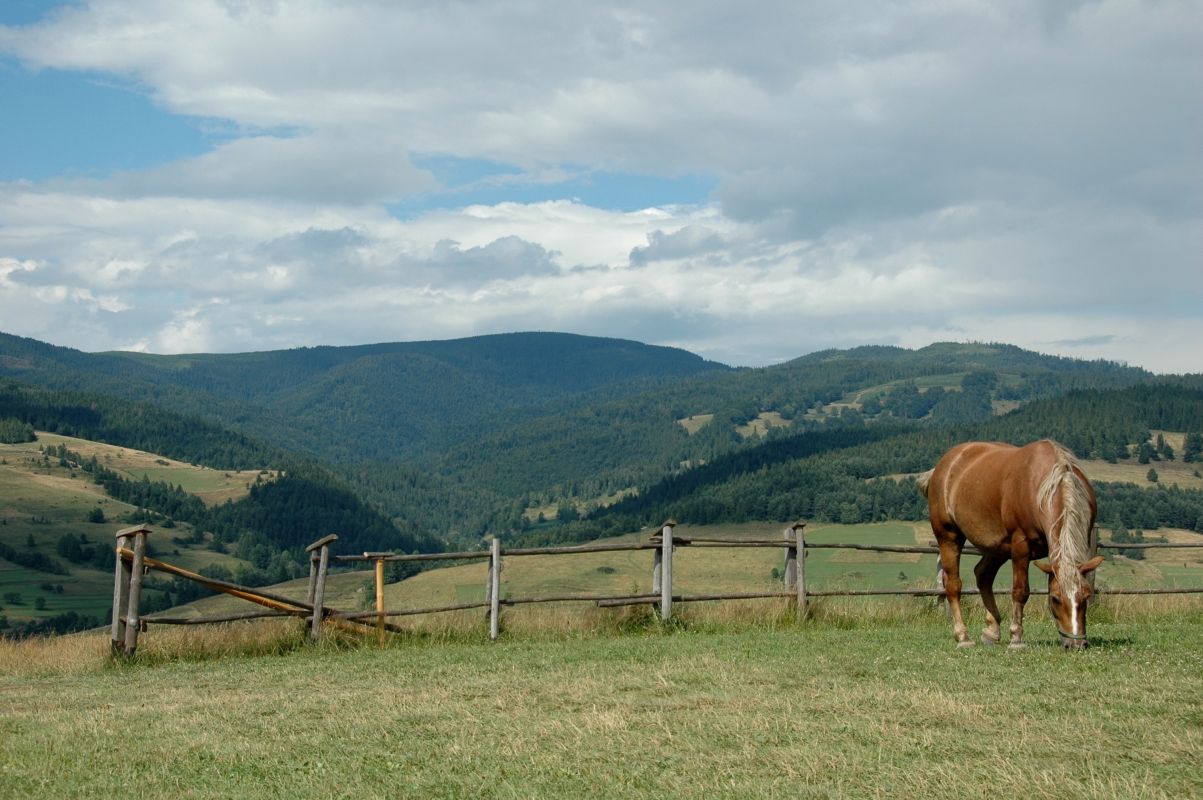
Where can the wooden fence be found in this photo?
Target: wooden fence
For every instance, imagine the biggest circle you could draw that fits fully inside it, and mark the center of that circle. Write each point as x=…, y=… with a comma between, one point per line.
x=132, y=562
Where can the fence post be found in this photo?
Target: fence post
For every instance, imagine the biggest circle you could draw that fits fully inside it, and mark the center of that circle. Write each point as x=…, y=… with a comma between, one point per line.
x=666, y=570
x=132, y=622
x=799, y=529
x=1093, y=538
x=380, y=601
x=494, y=589
x=319, y=583
x=657, y=557
x=313, y=559
x=790, y=578
x=121, y=575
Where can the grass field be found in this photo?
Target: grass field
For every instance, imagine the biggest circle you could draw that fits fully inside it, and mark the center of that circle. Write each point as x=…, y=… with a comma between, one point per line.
x=40, y=501
x=847, y=705
x=212, y=486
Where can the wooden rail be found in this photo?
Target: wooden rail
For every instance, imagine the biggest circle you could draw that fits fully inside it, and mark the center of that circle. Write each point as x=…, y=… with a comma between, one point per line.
x=131, y=562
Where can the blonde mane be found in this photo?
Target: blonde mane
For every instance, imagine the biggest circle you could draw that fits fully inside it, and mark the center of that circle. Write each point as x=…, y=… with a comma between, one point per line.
x=1069, y=536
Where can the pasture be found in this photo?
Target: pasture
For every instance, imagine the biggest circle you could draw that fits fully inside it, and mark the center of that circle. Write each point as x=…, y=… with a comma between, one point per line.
x=849, y=704
x=40, y=501
x=211, y=485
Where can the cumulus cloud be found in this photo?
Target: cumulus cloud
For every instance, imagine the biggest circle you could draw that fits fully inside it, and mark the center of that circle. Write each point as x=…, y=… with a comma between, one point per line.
x=891, y=172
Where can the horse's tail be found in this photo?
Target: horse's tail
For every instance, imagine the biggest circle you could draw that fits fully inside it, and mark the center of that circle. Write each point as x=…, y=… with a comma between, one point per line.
x=923, y=482
x=1069, y=537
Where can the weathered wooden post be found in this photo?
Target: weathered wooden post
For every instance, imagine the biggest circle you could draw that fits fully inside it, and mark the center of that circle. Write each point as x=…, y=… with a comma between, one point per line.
x=322, y=546
x=313, y=559
x=1094, y=551
x=790, y=577
x=133, y=624
x=121, y=576
x=666, y=570
x=657, y=557
x=799, y=529
x=942, y=596
x=494, y=589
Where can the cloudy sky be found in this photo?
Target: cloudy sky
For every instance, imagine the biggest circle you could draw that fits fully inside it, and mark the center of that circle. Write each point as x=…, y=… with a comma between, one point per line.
x=751, y=182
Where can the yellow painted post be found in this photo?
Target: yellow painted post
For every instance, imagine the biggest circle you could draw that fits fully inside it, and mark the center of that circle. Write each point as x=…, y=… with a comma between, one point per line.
x=380, y=601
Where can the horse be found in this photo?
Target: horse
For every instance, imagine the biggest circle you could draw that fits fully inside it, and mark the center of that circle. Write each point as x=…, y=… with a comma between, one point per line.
x=1016, y=504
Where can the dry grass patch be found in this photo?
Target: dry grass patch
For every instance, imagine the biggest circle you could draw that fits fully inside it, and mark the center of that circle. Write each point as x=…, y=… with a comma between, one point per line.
x=764, y=422
x=695, y=423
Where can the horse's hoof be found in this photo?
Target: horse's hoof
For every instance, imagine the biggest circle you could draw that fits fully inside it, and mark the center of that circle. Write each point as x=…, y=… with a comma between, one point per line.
x=1017, y=646
x=989, y=640
x=966, y=643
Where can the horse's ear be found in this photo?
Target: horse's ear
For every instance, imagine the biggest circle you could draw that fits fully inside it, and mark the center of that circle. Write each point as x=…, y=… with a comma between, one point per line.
x=1090, y=565
x=1044, y=567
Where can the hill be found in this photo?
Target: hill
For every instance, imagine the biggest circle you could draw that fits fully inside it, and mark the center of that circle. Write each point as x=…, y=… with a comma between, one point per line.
x=383, y=402
x=482, y=435
x=57, y=525
x=582, y=457
x=61, y=499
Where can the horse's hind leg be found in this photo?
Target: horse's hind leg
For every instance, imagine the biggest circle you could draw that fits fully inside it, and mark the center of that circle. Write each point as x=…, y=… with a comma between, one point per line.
x=950, y=559
x=985, y=571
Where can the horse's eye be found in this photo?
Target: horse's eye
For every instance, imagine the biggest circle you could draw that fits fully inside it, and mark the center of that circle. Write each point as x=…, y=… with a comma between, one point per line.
x=1055, y=599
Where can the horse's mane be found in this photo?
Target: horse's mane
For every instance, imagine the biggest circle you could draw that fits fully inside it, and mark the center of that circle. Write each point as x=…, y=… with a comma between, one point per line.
x=1069, y=537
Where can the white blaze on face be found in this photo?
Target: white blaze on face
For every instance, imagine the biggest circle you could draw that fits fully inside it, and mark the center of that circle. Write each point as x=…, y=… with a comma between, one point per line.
x=1073, y=614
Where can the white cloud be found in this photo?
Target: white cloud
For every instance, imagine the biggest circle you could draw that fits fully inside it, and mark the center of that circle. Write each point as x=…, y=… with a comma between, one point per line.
x=891, y=173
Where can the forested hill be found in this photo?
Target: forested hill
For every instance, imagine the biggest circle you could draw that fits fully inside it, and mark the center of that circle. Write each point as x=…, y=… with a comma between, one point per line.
x=142, y=426
x=383, y=402
x=585, y=453
x=486, y=435
x=851, y=472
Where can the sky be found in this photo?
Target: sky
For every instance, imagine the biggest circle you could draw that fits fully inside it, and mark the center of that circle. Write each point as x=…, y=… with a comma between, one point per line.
x=750, y=182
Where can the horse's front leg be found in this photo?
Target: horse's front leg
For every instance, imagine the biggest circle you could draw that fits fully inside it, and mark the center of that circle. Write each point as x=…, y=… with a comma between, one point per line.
x=950, y=559
x=985, y=571
x=1019, y=592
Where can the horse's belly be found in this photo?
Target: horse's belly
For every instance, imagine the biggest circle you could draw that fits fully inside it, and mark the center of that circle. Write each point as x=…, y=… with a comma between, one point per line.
x=984, y=530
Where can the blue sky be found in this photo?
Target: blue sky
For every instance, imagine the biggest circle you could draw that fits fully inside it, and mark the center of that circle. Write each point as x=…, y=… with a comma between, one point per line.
x=86, y=124
x=216, y=176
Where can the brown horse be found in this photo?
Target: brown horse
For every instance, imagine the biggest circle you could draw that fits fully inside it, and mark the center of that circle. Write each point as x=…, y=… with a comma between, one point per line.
x=1017, y=504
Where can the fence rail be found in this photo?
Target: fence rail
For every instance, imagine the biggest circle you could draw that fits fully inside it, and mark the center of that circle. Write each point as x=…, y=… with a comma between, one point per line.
x=132, y=562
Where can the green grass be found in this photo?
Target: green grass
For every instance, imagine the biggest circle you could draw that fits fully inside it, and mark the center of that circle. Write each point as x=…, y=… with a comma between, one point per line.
x=878, y=705
x=213, y=486
x=41, y=501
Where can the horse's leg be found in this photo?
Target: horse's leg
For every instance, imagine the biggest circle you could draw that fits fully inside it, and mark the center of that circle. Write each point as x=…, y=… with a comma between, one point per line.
x=1019, y=591
x=950, y=558
x=985, y=571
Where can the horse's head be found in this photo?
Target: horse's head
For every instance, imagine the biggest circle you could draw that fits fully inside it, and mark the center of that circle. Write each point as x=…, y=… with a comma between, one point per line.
x=1068, y=596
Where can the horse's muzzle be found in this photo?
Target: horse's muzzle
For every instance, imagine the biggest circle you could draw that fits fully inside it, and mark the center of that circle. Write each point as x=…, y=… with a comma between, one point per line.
x=1074, y=643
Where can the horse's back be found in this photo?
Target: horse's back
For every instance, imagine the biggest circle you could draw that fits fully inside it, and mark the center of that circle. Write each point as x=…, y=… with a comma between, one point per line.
x=982, y=489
